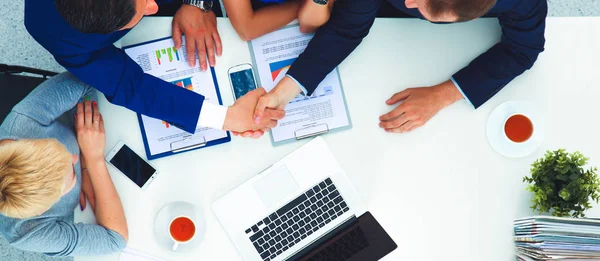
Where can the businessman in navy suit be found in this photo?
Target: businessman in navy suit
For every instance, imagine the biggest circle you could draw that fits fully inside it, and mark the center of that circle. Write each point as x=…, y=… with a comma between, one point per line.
x=523, y=25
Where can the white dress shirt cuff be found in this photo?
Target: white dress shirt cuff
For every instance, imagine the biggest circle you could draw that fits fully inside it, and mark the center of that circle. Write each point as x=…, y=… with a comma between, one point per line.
x=460, y=90
x=212, y=116
x=304, y=91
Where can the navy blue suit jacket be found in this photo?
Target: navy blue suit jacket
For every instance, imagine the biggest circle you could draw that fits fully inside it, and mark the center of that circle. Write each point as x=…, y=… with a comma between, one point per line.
x=523, y=23
x=96, y=61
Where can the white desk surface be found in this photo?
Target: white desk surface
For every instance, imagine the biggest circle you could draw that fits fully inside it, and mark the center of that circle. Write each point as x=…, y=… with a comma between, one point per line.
x=441, y=191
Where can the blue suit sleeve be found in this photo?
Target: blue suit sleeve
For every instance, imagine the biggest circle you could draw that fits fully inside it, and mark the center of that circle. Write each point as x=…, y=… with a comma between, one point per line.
x=522, y=41
x=123, y=82
x=349, y=23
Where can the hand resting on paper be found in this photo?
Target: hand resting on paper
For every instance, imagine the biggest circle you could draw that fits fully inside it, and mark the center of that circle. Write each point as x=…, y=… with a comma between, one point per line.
x=200, y=30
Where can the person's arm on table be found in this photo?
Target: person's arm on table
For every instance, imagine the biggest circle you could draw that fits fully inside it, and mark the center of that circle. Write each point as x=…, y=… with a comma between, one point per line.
x=124, y=83
x=89, y=125
x=200, y=30
x=522, y=41
x=349, y=23
x=87, y=188
x=418, y=106
x=250, y=24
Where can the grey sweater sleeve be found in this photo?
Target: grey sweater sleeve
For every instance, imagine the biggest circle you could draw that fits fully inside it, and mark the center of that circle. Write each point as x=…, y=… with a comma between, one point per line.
x=61, y=238
x=53, y=98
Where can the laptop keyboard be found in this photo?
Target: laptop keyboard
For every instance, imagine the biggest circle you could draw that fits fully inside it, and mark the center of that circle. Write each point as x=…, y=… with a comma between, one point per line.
x=298, y=219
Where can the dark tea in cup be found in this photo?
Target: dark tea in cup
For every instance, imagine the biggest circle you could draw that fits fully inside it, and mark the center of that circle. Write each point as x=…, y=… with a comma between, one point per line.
x=518, y=128
x=182, y=229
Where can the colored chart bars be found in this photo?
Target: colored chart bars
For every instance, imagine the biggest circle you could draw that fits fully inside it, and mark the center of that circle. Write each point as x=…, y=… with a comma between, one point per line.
x=185, y=83
x=167, y=52
x=277, y=68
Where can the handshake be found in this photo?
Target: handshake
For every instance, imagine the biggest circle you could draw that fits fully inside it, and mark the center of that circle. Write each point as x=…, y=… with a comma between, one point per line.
x=249, y=117
x=258, y=111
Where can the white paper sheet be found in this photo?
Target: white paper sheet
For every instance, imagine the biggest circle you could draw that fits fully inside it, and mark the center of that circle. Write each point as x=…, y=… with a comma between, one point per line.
x=130, y=254
x=162, y=60
x=273, y=54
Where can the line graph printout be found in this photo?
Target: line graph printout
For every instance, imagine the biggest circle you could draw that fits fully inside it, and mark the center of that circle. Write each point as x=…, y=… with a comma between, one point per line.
x=162, y=60
x=274, y=54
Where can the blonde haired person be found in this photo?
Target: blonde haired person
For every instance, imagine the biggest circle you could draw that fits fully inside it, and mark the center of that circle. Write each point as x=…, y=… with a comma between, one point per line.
x=42, y=179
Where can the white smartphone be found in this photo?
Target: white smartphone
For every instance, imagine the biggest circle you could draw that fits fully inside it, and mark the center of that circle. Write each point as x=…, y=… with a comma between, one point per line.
x=132, y=165
x=242, y=80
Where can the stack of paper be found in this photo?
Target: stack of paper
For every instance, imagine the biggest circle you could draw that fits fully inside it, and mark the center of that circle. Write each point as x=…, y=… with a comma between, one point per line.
x=552, y=238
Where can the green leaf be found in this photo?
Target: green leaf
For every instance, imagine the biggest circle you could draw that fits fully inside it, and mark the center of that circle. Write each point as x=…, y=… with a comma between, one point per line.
x=561, y=185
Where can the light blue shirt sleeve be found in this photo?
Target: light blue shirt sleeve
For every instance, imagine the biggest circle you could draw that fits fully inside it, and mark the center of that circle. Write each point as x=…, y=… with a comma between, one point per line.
x=304, y=91
x=60, y=238
x=460, y=90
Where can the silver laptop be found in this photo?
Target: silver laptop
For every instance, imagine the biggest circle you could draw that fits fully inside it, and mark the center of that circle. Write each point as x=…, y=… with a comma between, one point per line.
x=277, y=214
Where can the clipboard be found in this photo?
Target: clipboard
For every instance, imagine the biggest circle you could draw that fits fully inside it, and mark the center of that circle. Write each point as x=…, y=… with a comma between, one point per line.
x=310, y=131
x=187, y=142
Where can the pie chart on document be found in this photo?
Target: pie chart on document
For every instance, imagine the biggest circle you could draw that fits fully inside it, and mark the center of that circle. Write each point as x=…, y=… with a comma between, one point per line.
x=515, y=129
x=279, y=69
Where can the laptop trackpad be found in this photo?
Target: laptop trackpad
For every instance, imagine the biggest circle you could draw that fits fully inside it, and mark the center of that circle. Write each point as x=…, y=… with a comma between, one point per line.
x=275, y=186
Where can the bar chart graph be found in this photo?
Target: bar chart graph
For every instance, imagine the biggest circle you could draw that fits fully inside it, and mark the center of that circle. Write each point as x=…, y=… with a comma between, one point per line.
x=185, y=83
x=167, y=53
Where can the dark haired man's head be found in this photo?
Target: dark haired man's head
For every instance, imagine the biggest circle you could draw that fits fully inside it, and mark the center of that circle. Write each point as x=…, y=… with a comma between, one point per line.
x=104, y=16
x=451, y=10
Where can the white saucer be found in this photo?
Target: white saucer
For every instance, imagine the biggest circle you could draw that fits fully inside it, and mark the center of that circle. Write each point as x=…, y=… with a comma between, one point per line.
x=171, y=211
x=497, y=137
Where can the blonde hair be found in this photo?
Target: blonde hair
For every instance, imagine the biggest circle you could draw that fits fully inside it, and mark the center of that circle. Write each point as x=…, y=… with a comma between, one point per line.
x=32, y=176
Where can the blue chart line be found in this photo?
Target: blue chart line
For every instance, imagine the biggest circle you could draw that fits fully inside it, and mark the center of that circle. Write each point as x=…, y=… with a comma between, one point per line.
x=320, y=92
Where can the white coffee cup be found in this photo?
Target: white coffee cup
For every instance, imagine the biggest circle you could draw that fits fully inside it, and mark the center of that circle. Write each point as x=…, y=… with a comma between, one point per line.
x=176, y=242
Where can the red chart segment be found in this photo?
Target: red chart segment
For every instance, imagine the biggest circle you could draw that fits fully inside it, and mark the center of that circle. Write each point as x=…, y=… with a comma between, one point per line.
x=280, y=67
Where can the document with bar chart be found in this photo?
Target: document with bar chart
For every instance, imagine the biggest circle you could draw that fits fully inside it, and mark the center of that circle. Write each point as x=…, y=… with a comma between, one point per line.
x=322, y=112
x=160, y=59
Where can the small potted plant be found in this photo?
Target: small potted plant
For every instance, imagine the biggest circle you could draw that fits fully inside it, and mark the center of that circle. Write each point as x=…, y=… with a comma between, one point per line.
x=561, y=185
